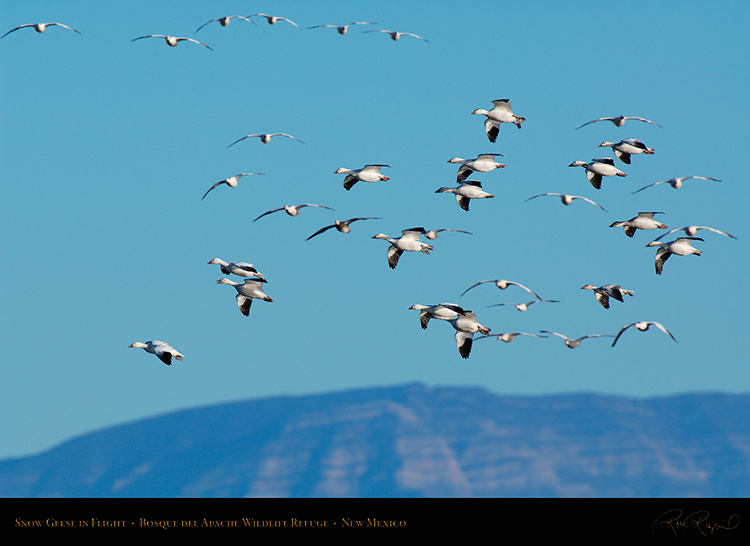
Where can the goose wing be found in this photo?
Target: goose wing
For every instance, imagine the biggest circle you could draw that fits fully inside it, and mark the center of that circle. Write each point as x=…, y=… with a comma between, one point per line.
x=394, y=254
x=212, y=187
x=15, y=29
x=244, y=304
x=464, y=341
x=589, y=201
x=644, y=120
x=269, y=212
x=243, y=138
x=476, y=284
x=594, y=121
x=321, y=230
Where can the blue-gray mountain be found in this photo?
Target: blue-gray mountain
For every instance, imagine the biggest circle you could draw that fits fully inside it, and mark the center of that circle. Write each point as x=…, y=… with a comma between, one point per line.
x=409, y=441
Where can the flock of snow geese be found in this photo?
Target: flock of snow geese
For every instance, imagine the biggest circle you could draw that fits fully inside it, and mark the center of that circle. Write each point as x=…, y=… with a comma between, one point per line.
x=464, y=321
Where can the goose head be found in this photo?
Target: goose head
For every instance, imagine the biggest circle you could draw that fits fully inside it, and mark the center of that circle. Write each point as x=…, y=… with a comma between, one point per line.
x=138, y=345
x=578, y=164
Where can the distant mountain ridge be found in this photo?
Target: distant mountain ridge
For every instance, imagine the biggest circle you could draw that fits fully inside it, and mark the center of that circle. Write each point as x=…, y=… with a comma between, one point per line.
x=409, y=441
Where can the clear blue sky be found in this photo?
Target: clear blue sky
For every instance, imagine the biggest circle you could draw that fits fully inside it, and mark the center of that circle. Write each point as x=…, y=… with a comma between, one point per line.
x=108, y=145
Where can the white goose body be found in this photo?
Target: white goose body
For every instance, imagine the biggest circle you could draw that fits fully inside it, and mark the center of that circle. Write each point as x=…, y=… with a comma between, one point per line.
x=468, y=190
x=408, y=242
x=241, y=269
x=39, y=27
x=619, y=121
x=483, y=163
x=507, y=337
x=597, y=168
x=265, y=138
x=466, y=325
x=433, y=234
x=396, y=36
x=172, y=41
x=224, y=21
x=500, y=113
x=573, y=343
x=604, y=292
x=368, y=173
x=676, y=183
x=341, y=226
x=523, y=306
x=643, y=326
x=644, y=220
x=232, y=182
x=292, y=210
x=442, y=311
x=342, y=29
x=164, y=351
x=627, y=147
x=502, y=284
x=246, y=292
x=273, y=19
x=681, y=246
x=692, y=230
x=567, y=199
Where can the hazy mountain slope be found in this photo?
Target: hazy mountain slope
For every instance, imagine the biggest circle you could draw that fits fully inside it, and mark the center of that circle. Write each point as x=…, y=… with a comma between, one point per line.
x=412, y=441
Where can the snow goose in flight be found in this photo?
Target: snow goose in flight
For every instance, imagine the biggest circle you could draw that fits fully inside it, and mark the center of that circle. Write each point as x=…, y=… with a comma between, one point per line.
x=241, y=269
x=502, y=284
x=395, y=36
x=343, y=29
x=523, y=306
x=433, y=234
x=500, y=113
x=573, y=343
x=567, y=199
x=627, y=147
x=692, y=230
x=246, y=292
x=676, y=183
x=232, y=182
x=224, y=21
x=368, y=173
x=468, y=190
x=39, y=27
x=643, y=326
x=408, y=242
x=163, y=351
x=272, y=19
x=507, y=337
x=442, y=311
x=596, y=168
x=265, y=138
x=172, y=41
x=644, y=220
x=342, y=226
x=466, y=325
x=292, y=210
x=604, y=292
x=482, y=163
x=619, y=121
x=680, y=246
